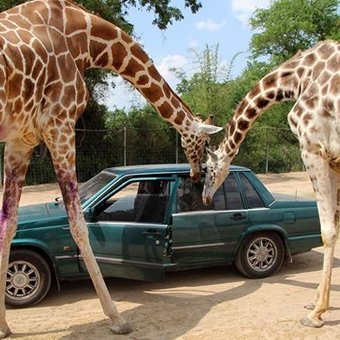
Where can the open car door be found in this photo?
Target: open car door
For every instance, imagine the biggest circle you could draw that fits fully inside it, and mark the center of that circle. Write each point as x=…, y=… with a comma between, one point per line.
x=129, y=230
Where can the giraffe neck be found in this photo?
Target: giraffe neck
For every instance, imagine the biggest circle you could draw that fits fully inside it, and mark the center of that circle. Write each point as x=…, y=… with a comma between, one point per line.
x=111, y=48
x=278, y=86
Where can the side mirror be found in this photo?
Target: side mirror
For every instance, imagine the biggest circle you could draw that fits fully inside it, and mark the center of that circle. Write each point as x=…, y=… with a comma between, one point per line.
x=89, y=214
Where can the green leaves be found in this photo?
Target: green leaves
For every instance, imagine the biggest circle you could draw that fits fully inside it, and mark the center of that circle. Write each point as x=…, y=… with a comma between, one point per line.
x=165, y=14
x=289, y=25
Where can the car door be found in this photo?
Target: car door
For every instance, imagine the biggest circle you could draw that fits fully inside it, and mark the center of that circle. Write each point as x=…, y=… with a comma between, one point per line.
x=201, y=234
x=129, y=229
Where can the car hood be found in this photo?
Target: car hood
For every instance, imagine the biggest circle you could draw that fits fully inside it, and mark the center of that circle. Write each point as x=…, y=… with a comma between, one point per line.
x=37, y=214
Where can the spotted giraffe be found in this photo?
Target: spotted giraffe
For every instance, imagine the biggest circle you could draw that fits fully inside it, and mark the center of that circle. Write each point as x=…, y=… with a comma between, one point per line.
x=45, y=48
x=312, y=80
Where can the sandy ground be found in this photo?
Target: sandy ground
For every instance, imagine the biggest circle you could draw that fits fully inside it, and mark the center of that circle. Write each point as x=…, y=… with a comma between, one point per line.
x=216, y=303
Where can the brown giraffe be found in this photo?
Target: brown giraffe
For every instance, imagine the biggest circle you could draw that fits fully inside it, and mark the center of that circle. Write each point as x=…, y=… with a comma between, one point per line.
x=312, y=80
x=45, y=47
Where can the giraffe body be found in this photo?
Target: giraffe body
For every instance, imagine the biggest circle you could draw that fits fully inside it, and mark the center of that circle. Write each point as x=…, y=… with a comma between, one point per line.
x=312, y=80
x=45, y=48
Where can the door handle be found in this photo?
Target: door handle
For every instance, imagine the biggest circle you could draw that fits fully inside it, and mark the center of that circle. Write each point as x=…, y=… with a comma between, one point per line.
x=152, y=233
x=238, y=217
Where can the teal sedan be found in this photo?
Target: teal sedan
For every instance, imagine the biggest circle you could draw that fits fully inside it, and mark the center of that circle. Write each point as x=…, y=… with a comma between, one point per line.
x=144, y=221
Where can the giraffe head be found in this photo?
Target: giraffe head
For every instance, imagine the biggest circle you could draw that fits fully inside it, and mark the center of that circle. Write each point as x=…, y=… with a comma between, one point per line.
x=194, y=144
x=217, y=169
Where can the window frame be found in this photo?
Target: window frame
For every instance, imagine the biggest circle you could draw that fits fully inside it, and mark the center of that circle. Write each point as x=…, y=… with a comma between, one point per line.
x=121, y=186
x=243, y=191
x=240, y=190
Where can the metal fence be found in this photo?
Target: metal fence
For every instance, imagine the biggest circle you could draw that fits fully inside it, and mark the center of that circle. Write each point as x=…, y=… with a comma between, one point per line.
x=263, y=152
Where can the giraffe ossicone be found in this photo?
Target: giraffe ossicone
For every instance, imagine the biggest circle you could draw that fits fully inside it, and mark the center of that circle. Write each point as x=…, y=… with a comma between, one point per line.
x=312, y=80
x=45, y=48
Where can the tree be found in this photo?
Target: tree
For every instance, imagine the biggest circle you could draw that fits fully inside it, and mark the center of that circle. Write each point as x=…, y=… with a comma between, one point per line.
x=206, y=90
x=289, y=25
x=149, y=139
x=116, y=11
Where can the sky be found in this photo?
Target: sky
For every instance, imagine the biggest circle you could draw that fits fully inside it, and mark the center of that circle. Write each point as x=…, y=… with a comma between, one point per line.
x=222, y=22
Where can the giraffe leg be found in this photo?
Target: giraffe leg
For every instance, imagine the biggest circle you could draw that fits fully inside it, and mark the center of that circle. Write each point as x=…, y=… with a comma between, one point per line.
x=66, y=174
x=313, y=319
x=327, y=189
x=17, y=158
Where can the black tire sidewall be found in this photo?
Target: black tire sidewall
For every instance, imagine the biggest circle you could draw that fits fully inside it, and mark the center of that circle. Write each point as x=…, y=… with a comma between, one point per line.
x=45, y=277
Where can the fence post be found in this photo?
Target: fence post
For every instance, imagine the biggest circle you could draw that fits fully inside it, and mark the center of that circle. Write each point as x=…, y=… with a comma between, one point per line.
x=176, y=147
x=267, y=152
x=124, y=146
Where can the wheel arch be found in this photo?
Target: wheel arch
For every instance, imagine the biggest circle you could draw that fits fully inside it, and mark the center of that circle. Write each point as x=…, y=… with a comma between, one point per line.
x=43, y=251
x=279, y=231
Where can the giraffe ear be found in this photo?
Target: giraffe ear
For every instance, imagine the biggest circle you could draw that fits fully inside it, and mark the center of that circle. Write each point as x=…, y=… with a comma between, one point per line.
x=209, y=129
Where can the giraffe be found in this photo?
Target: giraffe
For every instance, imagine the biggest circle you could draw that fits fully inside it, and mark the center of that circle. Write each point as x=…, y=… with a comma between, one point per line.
x=312, y=80
x=45, y=48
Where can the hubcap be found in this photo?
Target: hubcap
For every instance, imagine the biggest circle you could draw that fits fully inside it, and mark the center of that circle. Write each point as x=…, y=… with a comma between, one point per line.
x=262, y=254
x=22, y=281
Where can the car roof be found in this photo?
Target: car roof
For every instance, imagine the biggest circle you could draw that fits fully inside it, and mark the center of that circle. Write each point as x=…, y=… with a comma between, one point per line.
x=156, y=169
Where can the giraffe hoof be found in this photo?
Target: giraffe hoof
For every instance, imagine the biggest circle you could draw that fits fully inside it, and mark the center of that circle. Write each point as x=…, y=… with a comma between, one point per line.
x=315, y=323
x=5, y=332
x=310, y=306
x=122, y=327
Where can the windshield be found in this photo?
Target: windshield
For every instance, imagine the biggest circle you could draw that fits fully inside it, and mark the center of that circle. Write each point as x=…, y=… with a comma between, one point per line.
x=95, y=184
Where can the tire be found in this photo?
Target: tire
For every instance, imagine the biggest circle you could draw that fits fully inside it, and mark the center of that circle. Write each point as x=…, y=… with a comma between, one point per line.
x=28, y=278
x=260, y=255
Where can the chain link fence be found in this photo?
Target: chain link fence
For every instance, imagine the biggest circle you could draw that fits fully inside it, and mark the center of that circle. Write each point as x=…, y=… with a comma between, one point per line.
x=264, y=150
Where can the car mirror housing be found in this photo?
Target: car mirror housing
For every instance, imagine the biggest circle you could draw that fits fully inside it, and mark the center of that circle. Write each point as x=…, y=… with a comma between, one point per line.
x=89, y=214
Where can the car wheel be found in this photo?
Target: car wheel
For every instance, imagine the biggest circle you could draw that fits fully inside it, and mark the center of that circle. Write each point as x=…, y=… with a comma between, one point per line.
x=260, y=255
x=28, y=278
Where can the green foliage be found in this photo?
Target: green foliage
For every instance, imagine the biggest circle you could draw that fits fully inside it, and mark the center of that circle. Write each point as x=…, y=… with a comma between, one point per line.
x=210, y=89
x=206, y=91
x=6, y=4
x=116, y=11
x=289, y=25
x=165, y=14
x=148, y=138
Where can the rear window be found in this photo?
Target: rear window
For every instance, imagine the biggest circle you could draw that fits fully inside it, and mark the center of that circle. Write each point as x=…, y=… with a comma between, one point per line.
x=227, y=196
x=253, y=198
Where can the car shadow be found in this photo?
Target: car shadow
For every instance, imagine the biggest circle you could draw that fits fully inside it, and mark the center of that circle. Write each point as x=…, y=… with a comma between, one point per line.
x=181, y=292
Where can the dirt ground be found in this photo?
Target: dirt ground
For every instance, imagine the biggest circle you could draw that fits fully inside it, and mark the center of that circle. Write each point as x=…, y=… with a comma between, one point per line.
x=216, y=303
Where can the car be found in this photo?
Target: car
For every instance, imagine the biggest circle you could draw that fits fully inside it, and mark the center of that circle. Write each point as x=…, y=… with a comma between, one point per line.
x=144, y=221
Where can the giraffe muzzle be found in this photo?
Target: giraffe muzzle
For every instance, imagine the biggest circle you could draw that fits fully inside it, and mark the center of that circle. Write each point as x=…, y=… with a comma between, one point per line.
x=195, y=177
x=207, y=200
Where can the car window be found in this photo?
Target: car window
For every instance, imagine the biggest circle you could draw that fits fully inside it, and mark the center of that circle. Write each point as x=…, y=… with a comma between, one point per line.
x=253, y=198
x=92, y=186
x=232, y=193
x=189, y=196
x=144, y=201
x=227, y=196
